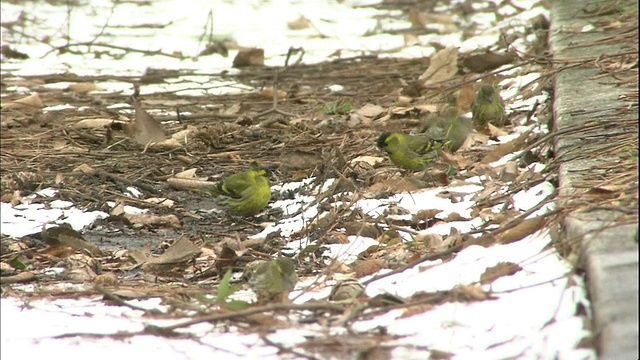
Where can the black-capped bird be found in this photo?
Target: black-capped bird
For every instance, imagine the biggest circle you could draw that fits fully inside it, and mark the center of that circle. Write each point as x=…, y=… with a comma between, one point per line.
x=410, y=152
x=488, y=107
x=244, y=193
x=448, y=125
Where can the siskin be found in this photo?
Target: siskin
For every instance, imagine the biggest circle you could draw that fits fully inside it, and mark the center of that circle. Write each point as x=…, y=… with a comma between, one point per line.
x=449, y=126
x=488, y=107
x=411, y=152
x=245, y=193
x=273, y=278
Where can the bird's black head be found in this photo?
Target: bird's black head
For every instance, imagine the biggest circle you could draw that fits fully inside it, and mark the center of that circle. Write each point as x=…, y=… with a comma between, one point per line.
x=382, y=140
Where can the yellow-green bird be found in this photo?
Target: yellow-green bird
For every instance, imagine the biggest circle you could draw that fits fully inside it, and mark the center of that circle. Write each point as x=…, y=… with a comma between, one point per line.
x=245, y=193
x=411, y=152
x=488, y=107
x=272, y=278
x=448, y=125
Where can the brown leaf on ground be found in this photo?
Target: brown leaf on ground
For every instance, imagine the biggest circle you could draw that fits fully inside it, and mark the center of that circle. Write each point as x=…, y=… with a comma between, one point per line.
x=425, y=215
x=67, y=236
x=410, y=40
x=371, y=111
x=523, y=229
x=32, y=101
x=84, y=87
x=506, y=148
x=145, y=128
x=299, y=23
x=429, y=240
x=494, y=131
x=416, y=310
x=227, y=258
x=465, y=98
x=347, y=289
x=269, y=91
x=456, y=160
x=153, y=221
x=108, y=279
x=470, y=293
x=181, y=251
x=486, y=62
x=443, y=66
x=509, y=172
x=454, y=216
x=499, y=270
x=361, y=228
x=454, y=238
x=249, y=57
x=368, y=267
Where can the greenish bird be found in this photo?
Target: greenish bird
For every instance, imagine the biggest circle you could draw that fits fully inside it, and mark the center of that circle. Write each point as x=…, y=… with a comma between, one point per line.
x=448, y=125
x=245, y=193
x=488, y=107
x=411, y=152
x=272, y=278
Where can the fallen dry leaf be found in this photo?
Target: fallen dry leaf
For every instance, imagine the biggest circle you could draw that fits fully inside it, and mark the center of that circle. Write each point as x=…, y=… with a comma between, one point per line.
x=67, y=236
x=84, y=87
x=425, y=215
x=161, y=201
x=83, y=168
x=470, y=293
x=145, y=129
x=509, y=171
x=443, y=66
x=523, y=229
x=268, y=93
x=415, y=310
x=411, y=40
x=249, y=57
x=507, y=148
x=32, y=102
x=499, y=270
x=150, y=220
x=429, y=240
x=108, y=279
x=299, y=23
x=370, y=111
x=368, y=267
x=181, y=251
x=227, y=258
x=486, y=62
x=465, y=98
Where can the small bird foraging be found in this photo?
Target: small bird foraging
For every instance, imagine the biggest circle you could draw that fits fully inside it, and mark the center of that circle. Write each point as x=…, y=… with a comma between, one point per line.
x=410, y=152
x=488, y=107
x=272, y=280
x=448, y=125
x=245, y=193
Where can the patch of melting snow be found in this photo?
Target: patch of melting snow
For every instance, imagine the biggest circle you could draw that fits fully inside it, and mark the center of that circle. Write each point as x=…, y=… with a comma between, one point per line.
x=533, y=312
x=24, y=219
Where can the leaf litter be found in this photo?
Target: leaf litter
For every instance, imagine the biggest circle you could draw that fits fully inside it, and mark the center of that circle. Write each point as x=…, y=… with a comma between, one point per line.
x=449, y=264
